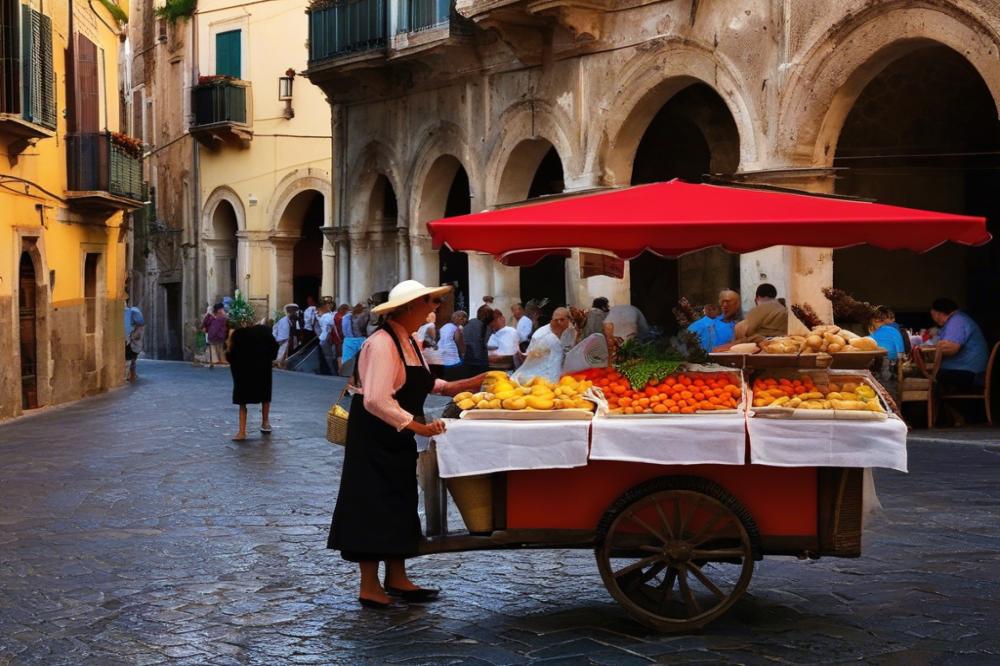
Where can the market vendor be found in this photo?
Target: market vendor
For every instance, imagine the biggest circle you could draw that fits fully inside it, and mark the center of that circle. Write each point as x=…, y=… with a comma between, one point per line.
x=503, y=342
x=375, y=518
x=768, y=318
x=559, y=326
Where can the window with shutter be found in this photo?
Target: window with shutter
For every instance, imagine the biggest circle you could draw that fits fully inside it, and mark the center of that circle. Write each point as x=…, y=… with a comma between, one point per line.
x=10, y=57
x=37, y=89
x=87, y=89
x=228, y=47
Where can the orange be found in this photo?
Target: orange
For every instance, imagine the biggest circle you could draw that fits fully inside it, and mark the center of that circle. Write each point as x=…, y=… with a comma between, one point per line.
x=687, y=410
x=686, y=394
x=659, y=409
x=629, y=410
x=624, y=401
x=643, y=402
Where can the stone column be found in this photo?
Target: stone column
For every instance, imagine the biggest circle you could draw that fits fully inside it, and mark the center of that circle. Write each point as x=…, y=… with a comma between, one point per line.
x=506, y=286
x=282, y=270
x=403, y=254
x=799, y=273
x=361, y=268
x=329, y=281
x=343, y=266
x=423, y=260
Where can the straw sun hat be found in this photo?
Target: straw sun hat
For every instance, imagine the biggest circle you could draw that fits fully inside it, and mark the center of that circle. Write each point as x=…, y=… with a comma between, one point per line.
x=405, y=292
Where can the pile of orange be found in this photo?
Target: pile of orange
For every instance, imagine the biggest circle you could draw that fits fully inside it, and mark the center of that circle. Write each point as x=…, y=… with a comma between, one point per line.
x=768, y=389
x=680, y=393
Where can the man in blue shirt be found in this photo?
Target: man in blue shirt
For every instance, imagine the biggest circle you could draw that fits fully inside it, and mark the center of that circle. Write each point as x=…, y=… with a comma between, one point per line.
x=962, y=346
x=705, y=327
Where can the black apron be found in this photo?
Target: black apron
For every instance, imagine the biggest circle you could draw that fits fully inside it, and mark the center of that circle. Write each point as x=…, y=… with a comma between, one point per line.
x=376, y=513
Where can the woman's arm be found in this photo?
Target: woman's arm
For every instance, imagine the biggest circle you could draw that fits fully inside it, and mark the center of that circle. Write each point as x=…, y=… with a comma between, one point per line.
x=454, y=388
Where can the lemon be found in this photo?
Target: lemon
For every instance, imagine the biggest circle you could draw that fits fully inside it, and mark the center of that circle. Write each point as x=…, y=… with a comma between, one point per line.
x=538, y=402
x=468, y=403
x=465, y=395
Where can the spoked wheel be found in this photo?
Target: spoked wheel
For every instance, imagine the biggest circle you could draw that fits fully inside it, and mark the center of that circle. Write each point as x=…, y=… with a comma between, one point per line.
x=677, y=552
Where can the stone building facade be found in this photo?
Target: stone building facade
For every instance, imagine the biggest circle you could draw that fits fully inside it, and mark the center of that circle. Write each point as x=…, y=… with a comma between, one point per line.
x=69, y=178
x=443, y=110
x=239, y=160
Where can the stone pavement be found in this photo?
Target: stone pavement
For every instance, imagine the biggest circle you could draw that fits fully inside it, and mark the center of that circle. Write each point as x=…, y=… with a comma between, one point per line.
x=133, y=531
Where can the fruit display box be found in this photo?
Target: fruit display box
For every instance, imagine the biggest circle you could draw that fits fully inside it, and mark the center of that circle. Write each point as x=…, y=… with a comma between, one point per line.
x=683, y=394
x=528, y=414
x=853, y=392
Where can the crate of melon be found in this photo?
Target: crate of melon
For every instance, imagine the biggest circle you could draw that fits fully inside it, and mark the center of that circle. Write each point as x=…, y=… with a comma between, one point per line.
x=686, y=390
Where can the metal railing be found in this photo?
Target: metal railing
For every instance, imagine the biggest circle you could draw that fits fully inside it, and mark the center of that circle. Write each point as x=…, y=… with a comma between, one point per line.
x=97, y=164
x=221, y=101
x=417, y=15
x=347, y=26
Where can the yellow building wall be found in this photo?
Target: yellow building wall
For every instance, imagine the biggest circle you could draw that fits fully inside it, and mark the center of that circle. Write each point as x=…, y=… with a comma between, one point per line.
x=33, y=207
x=284, y=154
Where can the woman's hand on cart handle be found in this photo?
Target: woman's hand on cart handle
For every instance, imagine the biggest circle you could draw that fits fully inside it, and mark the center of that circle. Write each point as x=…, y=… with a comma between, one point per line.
x=471, y=384
x=426, y=429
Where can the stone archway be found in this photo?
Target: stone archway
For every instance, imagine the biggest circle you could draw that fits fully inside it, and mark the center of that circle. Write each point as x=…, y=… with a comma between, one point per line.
x=649, y=83
x=30, y=328
x=446, y=192
x=923, y=133
x=223, y=228
x=693, y=133
x=298, y=266
x=822, y=91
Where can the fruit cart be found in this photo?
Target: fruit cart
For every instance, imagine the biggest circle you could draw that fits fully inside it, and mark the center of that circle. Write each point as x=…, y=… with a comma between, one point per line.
x=675, y=529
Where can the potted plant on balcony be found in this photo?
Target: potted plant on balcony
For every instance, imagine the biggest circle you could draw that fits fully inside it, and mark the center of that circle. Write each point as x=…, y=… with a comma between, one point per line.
x=316, y=5
x=130, y=145
x=214, y=79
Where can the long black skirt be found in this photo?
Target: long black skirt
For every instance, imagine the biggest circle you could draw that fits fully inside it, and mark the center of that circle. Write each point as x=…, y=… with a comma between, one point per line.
x=376, y=513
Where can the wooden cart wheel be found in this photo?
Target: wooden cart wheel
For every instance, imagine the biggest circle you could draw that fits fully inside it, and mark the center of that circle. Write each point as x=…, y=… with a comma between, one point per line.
x=677, y=552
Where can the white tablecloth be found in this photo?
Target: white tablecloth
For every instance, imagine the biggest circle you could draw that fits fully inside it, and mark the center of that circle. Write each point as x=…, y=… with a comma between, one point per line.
x=828, y=443
x=672, y=440
x=483, y=446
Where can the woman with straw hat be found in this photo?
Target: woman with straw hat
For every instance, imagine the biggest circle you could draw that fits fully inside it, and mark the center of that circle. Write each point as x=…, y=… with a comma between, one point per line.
x=375, y=519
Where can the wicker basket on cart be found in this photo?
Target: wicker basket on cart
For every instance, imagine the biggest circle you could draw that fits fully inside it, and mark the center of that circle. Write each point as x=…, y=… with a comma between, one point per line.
x=474, y=497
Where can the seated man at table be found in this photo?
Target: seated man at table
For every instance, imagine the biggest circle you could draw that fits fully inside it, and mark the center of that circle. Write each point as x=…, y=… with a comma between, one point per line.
x=767, y=319
x=963, y=347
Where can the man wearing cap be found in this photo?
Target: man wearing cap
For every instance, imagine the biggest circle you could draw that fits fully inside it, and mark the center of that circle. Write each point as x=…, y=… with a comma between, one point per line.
x=283, y=330
x=375, y=519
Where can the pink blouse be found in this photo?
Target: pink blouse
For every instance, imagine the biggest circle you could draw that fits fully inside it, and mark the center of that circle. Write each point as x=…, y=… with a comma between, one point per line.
x=382, y=374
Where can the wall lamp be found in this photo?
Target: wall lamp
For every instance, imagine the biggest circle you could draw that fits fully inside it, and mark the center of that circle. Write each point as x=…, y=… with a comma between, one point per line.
x=285, y=91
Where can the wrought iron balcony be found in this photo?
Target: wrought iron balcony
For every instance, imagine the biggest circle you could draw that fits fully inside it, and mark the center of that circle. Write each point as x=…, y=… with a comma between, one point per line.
x=105, y=172
x=223, y=111
x=416, y=15
x=343, y=27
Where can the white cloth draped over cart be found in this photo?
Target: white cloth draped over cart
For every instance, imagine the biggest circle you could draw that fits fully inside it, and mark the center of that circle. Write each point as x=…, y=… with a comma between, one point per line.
x=671, y=440
x=470, y=446
x=828, y=443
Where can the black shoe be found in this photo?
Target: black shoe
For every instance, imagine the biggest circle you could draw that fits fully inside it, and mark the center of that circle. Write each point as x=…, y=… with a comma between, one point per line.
x=379, y=605
x=419, y=595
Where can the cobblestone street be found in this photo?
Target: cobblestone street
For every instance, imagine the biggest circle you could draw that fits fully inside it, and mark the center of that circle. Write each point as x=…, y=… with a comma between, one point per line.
x=133, y=531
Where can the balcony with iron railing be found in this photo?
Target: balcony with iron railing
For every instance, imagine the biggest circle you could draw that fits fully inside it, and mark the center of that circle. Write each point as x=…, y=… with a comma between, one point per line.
x=104, y=172
x=339, y=28
x=223, y=111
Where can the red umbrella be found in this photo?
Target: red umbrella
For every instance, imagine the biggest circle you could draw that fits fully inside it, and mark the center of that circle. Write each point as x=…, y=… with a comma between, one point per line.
x=674, y=218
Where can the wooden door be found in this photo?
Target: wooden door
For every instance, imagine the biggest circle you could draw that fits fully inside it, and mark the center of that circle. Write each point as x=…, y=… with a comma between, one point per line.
x=27, y=296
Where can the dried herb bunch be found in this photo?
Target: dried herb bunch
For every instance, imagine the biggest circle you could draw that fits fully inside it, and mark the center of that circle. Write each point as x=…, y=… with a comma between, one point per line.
x=807, y=315
x=685, y=313
x=847, y=308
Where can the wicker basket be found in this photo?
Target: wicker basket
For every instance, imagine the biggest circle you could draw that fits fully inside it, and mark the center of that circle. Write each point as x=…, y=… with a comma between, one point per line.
x=336, y=422
x=474, y=497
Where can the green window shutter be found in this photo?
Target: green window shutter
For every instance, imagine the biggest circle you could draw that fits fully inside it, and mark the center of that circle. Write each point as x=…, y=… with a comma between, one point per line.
x=228, y=47
x=47, y=99
x=10, y=57
x=28, y=71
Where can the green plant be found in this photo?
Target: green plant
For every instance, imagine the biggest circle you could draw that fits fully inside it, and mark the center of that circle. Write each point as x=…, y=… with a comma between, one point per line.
x=117, y=12
x=177, y=9
x=241, y=313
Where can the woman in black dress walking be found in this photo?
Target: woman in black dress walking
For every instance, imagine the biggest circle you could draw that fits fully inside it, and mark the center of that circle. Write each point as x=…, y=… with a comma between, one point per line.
x=252, y=350
x=375, y=519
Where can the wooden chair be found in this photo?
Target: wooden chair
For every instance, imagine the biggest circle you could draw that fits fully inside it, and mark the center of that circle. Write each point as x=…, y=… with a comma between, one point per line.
x=920, y=389
x=984, y=394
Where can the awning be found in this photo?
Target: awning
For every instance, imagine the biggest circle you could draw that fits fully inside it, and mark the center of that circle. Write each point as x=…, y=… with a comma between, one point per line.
x=674, y=218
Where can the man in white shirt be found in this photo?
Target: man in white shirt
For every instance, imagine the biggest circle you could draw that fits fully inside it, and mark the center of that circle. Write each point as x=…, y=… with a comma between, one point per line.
x=282, y=331
x=325, y=318
x=560, y=327
x=628, y=321
x=310, y=321
x=526, y=321
x=504, y=342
